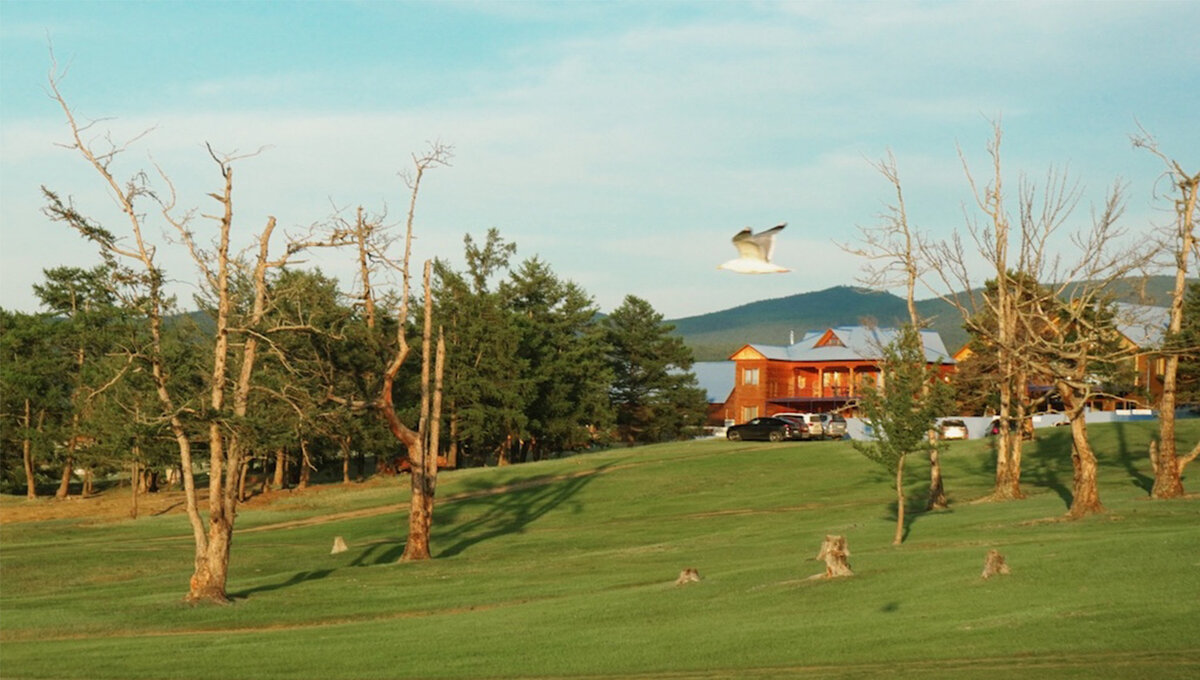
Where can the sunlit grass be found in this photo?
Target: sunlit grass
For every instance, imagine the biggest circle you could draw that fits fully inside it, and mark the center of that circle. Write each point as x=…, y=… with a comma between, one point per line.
x=566, y=568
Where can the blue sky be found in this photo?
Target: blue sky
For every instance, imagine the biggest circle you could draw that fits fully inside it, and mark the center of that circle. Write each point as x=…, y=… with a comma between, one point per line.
x=622, y=143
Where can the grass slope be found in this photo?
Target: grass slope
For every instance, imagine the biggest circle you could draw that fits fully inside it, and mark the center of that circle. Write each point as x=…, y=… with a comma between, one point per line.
x=565, y=569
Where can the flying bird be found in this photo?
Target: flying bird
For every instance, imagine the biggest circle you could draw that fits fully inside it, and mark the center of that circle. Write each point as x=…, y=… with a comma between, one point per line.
x=754, y=252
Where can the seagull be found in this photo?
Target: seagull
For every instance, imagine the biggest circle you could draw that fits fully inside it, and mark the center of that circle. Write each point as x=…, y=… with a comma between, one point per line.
x=754, y=252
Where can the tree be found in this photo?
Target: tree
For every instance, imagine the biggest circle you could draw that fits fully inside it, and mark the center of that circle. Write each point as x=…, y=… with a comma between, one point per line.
x=653, y=393
x=1181, y=245
x=484, y=386
x=34, y=382
x=1029, y=333
x=894, y=256
x=902, y=410
x=138, y=283
x=562, y=350
x=85, y=313
x=372, y=242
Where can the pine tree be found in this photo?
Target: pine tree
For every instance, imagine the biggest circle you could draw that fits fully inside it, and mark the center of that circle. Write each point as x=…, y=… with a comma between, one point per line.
x=902, y=412
x=654, y=394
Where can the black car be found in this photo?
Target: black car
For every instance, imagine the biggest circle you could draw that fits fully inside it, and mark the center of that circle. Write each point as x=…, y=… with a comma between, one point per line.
x=770, y=429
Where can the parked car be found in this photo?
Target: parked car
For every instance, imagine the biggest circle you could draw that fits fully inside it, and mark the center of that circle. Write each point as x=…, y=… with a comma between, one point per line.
x=770, y=429
x=835, y=427
x=820, y=425
x=813, y=428
x=952, y=428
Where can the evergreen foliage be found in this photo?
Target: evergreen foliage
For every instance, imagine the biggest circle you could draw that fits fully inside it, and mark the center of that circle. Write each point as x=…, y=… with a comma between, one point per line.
x=653, y=393
x=903, y=410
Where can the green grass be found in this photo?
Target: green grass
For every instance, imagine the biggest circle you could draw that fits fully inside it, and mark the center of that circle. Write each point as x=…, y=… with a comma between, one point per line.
x=569, y=573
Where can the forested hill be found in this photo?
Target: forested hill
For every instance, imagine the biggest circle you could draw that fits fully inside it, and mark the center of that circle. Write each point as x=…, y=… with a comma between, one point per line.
x=714, y=336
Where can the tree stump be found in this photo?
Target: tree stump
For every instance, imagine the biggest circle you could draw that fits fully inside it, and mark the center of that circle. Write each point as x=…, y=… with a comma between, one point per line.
x=835, y=554
x=994, y=564
x=339, y=546
x=689, y=575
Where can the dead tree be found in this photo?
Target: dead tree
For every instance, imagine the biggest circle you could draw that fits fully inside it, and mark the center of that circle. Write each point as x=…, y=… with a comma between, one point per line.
x=1180, y=244
x=141, y=282
x=374, y=254
x=893, y=252
x=991, y=236
x=1054, y=332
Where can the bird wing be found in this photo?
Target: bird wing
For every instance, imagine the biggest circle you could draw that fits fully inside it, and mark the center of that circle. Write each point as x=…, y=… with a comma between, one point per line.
x=760, y=246
x=747, y=246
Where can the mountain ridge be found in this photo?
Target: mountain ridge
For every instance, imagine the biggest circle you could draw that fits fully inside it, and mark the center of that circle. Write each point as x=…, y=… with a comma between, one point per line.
x=715, y=335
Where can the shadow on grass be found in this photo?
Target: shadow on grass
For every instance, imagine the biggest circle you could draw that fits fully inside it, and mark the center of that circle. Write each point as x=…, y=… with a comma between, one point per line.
x=296, y=579
x=495, y=515
x=1126, y=456
x=487, y=512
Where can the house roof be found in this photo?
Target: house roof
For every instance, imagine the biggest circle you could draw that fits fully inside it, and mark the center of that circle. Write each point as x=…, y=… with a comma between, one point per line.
x=1145, y=326
x=850, y=343
x=716, y=378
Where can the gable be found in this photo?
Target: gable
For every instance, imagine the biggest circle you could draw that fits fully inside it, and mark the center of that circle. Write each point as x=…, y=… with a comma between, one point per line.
x=747, y=353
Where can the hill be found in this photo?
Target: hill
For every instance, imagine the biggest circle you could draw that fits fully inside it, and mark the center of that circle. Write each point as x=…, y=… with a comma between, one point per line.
x=716, y=335
x=566, y=569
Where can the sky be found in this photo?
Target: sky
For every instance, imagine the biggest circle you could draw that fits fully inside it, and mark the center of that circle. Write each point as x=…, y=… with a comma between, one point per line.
x=622, y=143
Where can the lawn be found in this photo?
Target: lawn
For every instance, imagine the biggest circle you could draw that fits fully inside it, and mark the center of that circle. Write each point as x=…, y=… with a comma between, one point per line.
x=566, y=569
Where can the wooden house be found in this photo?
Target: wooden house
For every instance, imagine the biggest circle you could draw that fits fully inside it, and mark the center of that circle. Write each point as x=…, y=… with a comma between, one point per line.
x=824, y=371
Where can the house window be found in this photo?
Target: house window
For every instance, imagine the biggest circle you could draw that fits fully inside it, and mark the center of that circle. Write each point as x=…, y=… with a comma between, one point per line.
x=749, y=413
x=750, y=376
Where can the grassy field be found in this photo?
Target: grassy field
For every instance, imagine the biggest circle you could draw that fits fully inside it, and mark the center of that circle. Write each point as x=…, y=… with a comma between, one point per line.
x=565, y=569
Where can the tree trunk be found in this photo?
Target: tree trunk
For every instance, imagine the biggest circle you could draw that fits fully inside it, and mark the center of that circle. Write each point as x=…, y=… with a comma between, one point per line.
x=423, y=470
x=344, y=445
x=64, y=485
x=280, y=469
x=1085, y=494
x=899, y=537
x=452, y=450
x=88, y=478
x=937, y=492
x=305, y=464
x=435, y=420
x=27, y=452
x=212, y=565
x=135, y=481
x=1168, y=473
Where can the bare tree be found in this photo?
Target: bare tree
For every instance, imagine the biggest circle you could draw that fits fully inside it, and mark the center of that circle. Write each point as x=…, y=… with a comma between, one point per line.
x=143, y=281
x=375, y=258
x=893, y=252
x=1055, y=332
x=948, y=268
x=1181, y=245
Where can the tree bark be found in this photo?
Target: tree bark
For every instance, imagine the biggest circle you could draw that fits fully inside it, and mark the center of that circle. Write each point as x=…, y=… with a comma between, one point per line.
x=305, y=464
x=134, y=482
x=1085, y=494
x=899, y=537
x=280, y=469
x=344, y=445
x=27, y=452
x=1168, y=473
x=937, y=492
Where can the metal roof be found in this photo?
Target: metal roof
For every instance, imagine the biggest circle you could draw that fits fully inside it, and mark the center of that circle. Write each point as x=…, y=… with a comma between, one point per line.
x=851, y=343
x=1145, y=326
